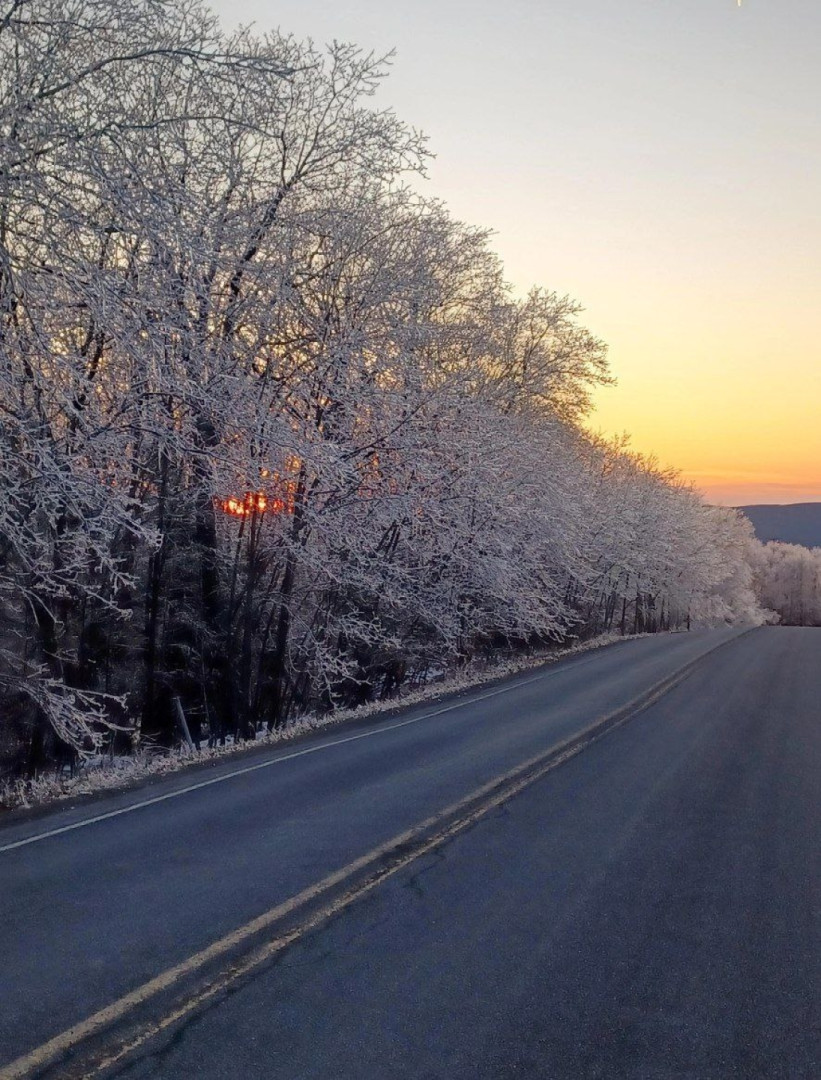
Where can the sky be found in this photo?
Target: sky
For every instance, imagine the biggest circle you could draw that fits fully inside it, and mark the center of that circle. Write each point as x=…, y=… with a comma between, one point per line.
x=659, y=161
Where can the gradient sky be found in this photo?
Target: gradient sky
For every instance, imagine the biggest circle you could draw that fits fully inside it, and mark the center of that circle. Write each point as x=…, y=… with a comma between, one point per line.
x=660, y=161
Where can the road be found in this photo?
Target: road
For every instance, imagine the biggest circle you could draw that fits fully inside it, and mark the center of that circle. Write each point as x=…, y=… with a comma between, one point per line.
x=482, y=891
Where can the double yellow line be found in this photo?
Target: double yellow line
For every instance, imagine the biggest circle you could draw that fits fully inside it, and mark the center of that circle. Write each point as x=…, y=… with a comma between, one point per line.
x=110, y=1035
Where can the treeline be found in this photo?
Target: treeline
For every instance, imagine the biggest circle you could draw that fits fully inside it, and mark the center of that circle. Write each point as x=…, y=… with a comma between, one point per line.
x=275, y=434
x=788, y=582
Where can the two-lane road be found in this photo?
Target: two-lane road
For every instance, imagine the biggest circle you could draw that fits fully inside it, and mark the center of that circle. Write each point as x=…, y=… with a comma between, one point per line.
x=647, y=908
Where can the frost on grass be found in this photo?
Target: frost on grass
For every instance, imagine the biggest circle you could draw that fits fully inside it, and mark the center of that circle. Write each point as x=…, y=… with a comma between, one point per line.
x=276, y=434
x=105, y=773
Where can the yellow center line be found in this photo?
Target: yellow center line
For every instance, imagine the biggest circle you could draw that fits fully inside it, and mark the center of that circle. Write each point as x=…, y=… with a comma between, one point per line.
x=102, y=1019
x=419, y=839
x=478, y=803
x=270, y=948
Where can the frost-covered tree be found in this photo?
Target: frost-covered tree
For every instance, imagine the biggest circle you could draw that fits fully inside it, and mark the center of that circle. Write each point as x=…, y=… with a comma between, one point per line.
x=788, y=582
x=275, y=433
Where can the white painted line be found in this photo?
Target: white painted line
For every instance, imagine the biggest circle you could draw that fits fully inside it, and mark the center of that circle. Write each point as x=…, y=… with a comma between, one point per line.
x=285, y=757
x=419, y=839
x=23, y=1066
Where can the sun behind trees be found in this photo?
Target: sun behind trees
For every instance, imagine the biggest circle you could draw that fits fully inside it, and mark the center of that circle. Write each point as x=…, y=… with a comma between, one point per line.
x=275, y=435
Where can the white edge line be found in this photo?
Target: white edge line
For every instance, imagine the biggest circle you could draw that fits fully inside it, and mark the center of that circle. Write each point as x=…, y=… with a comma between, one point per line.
x=285, y=757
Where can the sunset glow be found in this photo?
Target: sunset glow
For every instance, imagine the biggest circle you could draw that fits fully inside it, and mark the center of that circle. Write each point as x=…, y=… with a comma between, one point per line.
x=659, y=163
x=253, y=502
x=278, y=499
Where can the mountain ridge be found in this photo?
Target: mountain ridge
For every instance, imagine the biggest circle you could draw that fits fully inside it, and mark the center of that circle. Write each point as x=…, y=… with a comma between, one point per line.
x=791, y=523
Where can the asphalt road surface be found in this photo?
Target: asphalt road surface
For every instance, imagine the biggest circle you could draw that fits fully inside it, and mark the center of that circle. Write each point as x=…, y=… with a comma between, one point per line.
x=606, y=868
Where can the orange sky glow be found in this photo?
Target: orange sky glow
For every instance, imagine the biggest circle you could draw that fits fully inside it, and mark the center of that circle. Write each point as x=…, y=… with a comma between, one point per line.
x=659, y=162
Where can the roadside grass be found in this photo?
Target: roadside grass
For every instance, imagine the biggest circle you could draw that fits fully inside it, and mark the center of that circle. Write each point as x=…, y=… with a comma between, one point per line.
x=106, y=773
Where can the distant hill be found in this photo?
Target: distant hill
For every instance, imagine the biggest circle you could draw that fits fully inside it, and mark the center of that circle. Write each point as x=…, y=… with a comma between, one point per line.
x=796, y=523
